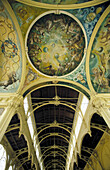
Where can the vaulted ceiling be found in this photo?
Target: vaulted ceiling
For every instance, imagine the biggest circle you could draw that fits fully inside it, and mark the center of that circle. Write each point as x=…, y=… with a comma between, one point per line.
x=55, y=53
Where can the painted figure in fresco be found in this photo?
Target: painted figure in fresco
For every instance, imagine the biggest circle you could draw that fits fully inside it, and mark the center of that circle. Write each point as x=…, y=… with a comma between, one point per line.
x=81, y=78
x=99, y=79
x=102, y=59
x=22, y=13
x=39, y=29
x=106, y=35
x=101, y=72
x=49, y=25
x=55, y=23
x=92, y=15
x=12, y=78
x=31, y=75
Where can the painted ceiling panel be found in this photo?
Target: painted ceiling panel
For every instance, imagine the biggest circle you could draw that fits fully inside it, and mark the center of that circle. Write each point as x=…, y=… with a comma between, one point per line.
x=100, y=58
x=10, y=53
x=56, y=44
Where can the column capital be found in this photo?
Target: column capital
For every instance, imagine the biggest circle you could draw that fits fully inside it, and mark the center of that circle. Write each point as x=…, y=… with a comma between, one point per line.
x=11, y=100
x=100, y=102
x=15, y=101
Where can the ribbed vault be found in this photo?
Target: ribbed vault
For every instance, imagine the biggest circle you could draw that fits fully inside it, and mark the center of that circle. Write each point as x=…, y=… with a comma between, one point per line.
x=54, y=118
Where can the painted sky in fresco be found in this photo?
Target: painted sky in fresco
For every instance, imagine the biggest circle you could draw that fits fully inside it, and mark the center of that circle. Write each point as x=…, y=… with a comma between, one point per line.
x=10, y=54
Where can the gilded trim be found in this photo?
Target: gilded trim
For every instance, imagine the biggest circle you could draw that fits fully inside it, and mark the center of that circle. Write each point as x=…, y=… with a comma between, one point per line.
x=70, y=6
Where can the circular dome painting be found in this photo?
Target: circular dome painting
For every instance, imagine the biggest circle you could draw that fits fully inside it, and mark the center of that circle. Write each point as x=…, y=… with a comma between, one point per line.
x=55, y=44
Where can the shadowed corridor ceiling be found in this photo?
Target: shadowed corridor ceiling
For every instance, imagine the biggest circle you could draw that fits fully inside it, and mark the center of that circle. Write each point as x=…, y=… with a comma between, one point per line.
x=54, y=113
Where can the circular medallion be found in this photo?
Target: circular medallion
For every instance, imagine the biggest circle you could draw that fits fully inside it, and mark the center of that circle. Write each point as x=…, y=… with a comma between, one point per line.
x=56, y=44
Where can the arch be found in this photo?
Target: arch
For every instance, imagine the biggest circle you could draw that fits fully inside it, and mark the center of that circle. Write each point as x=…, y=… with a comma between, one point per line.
x=24, y=162
x=53, y=134
x=59, y=162
x=24, y=150
x=52, y=82
x=57, y=7
x=57, y=165
x=52, y=103
x=53, y=125
x=51, y=153
x=54, y=147
x=14, y=126
x=102, y=126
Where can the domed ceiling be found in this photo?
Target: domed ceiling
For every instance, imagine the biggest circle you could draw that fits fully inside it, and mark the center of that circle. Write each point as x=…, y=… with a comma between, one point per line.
x=56, y=44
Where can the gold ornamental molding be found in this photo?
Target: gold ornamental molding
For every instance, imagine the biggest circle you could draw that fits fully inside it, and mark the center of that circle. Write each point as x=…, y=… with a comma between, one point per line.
x=43, y=83
x=70, y=6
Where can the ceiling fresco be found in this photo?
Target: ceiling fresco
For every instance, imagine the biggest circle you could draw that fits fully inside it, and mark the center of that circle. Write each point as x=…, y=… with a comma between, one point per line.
x=10, y=53
x=88, y=17
x=62, y=2
x=100, y=58
x=56, y=44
